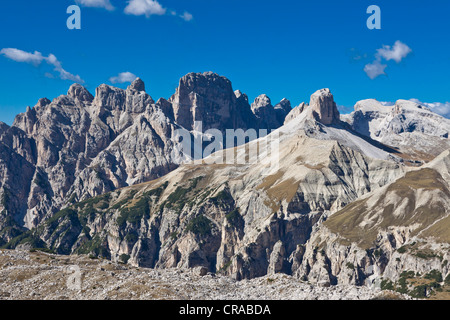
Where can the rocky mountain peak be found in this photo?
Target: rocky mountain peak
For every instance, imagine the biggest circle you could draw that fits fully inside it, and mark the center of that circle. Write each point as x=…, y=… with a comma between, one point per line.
x=284, y=104
x=408, y=106
x=137, y=85
x=282, y=109
x=200, y=82
x=267, y=116
x=262, y=101
x=240, y=95
x=324, y=107
x=205, y=97
x=43, y=102
x=78, y=92
x=295, y=112
x=110, y=97
x=3, y=127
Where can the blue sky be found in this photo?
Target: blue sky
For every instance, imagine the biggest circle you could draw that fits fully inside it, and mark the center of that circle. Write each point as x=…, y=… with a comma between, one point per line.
x=281, y=48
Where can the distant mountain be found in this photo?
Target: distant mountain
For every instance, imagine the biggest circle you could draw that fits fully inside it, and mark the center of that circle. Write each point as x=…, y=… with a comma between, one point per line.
x=79, y=146
x=245, y=220
x=360, y=199
x=413, y=129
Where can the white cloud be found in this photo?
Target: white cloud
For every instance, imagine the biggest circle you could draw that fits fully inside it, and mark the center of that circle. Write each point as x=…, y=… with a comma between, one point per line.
x=144, y=7
x=36, y=59
x=375, y=69
x=396, y=53
x=97, y=4
x=123, y=77
x=440, y=108
x=17, y=55
x=63, y=74
x=186, y=16
x=137, y=8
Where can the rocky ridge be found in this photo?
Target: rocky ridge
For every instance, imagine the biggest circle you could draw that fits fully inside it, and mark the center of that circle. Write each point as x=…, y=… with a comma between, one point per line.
x=342, y=206
x=37, y=276
x=243, y=220
x=412, y=128
x=79, y=146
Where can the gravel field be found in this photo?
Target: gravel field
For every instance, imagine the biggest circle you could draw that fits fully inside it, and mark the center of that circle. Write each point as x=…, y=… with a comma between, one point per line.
x=40, y=276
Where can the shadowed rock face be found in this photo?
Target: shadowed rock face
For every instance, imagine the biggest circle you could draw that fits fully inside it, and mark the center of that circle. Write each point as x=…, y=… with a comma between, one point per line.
x=264, y=112
x=205, y=97
x=79, y=146
x=209, y=98
x=323, y=105
x=282, y=109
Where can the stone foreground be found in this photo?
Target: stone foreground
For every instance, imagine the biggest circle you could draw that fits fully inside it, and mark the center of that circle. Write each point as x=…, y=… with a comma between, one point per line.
x=28, y=275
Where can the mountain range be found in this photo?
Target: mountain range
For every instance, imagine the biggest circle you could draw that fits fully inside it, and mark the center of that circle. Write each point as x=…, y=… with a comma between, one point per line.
x=355, y=199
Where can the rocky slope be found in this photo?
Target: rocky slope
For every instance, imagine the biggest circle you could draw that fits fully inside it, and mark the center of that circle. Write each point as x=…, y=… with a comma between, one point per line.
x=37, y=276
x=397, y=236
x=79, y=146
x=323, y=200
x=244, y=220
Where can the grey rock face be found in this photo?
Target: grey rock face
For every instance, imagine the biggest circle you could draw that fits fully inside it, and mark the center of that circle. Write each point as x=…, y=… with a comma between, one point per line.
x=79, y=146
x=336, y=209
x=226, y=219
x=323, y=105
x=265, y=112
x=137, y=85
x=268, y=116
x=294, y=113
x=68, y=146
x=282, y=109
x=209, y=98
x=77, y=92
x=373, y=239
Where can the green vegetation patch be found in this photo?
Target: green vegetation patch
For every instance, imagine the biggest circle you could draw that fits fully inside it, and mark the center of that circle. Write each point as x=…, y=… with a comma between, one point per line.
x=178, y=199
x=124, y=258
x=6, y=197
x=413, y=284
x=67, y=213
x=200, y=225
x=141, y=208
x=29, y=237
x=223, y=197
x=434, y=275
x=95, y=247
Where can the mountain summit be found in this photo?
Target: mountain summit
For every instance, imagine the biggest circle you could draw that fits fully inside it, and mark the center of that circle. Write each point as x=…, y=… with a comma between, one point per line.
x=324, y=107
